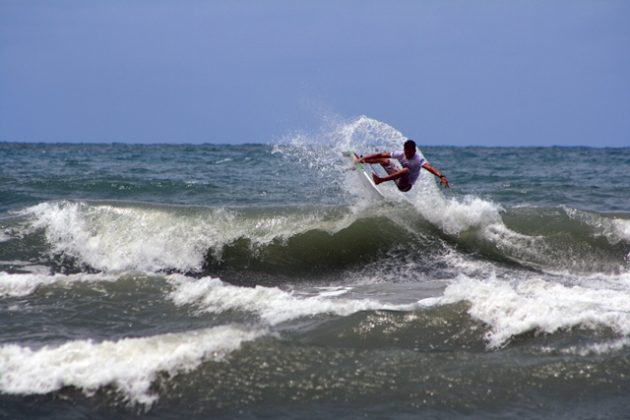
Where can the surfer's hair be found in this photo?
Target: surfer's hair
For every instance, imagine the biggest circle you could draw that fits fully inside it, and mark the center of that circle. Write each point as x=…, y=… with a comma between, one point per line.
x=410, y=143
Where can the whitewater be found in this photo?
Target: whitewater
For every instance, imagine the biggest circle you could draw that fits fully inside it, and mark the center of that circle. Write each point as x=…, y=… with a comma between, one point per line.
x=142, y=281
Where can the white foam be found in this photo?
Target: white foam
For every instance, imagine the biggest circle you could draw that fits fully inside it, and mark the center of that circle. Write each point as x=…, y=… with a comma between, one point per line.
x=621, y=228
x=15, y=262
x=614, y=229
x=4, y=237
x=614, y=282
x=114, y=238
x=130, y=364
x=513, y=308
x=480, y=219
x=22, y=284
x=605, y=347
x=457, y=215
x=111, y=238
x=332, y=291
x=271, y=304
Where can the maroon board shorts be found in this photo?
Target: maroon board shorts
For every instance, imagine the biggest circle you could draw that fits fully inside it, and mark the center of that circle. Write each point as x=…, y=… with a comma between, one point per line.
x=402, y=183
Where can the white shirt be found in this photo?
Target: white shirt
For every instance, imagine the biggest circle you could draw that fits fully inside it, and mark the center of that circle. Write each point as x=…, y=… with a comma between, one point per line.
x=414, y=164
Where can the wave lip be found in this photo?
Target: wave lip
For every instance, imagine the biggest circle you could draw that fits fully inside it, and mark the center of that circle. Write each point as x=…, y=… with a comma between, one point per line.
x=130, y=365
x=112, y=238
x=150, y=238
x=614, y=229
x=272, y=305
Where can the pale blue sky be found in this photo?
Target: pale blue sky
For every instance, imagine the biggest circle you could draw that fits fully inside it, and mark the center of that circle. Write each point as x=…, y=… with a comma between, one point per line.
x=463, y=72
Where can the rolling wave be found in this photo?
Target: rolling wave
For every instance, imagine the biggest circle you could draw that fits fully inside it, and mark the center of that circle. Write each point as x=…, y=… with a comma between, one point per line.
x=113, y=237
x=130, y=365
x=471, y=317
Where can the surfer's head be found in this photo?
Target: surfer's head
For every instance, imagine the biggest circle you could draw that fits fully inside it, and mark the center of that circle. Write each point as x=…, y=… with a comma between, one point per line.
x=410, y=148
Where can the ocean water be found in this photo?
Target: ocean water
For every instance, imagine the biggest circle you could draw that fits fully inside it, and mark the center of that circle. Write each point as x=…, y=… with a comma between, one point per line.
x=263, y=281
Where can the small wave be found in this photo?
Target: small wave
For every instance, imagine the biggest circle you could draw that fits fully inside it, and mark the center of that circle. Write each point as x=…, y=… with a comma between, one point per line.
x=22, y=284
x=535, y=304
x=271, y=304
x=130, y=365
x=427, y=329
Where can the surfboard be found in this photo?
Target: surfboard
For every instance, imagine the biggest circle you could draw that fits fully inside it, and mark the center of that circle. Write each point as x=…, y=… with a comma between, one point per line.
x=365, y=171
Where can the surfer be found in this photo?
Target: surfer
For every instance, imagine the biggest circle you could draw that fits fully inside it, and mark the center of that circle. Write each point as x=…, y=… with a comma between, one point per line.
x=411, y=161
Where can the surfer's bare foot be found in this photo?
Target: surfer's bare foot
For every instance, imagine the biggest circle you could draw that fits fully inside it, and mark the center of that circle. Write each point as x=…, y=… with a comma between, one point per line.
x=377, y=179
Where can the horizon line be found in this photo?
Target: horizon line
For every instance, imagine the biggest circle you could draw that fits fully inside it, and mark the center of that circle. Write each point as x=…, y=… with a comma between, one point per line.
x=111, y=143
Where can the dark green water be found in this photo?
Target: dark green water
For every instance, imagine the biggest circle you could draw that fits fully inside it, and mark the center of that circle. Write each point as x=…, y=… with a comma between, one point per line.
x=262, y=281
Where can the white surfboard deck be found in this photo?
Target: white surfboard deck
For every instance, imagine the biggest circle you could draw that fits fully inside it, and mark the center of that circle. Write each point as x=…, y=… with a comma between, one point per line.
x=365, y=172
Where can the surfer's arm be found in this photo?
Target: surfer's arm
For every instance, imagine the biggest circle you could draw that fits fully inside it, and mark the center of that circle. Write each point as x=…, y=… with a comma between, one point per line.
x=390, y=177
x=374, y=158
x=443, y=179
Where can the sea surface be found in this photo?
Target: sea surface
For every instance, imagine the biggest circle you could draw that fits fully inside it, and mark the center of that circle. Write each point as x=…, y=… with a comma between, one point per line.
x=264, y=281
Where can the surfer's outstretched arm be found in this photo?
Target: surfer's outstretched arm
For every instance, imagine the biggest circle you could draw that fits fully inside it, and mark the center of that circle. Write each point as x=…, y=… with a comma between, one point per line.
x=443, y=179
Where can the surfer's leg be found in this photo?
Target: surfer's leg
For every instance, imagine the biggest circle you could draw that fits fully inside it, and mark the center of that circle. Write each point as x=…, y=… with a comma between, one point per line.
x=378, y=161
x=389, y=166
x=403, y=182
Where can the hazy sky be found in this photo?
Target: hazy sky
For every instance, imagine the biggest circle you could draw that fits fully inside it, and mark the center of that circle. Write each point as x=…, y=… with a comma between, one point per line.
x=453, y=72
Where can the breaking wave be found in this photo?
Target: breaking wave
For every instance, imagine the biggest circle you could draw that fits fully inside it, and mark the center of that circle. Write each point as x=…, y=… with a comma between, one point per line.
x=130, y=365
x=114, y=237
